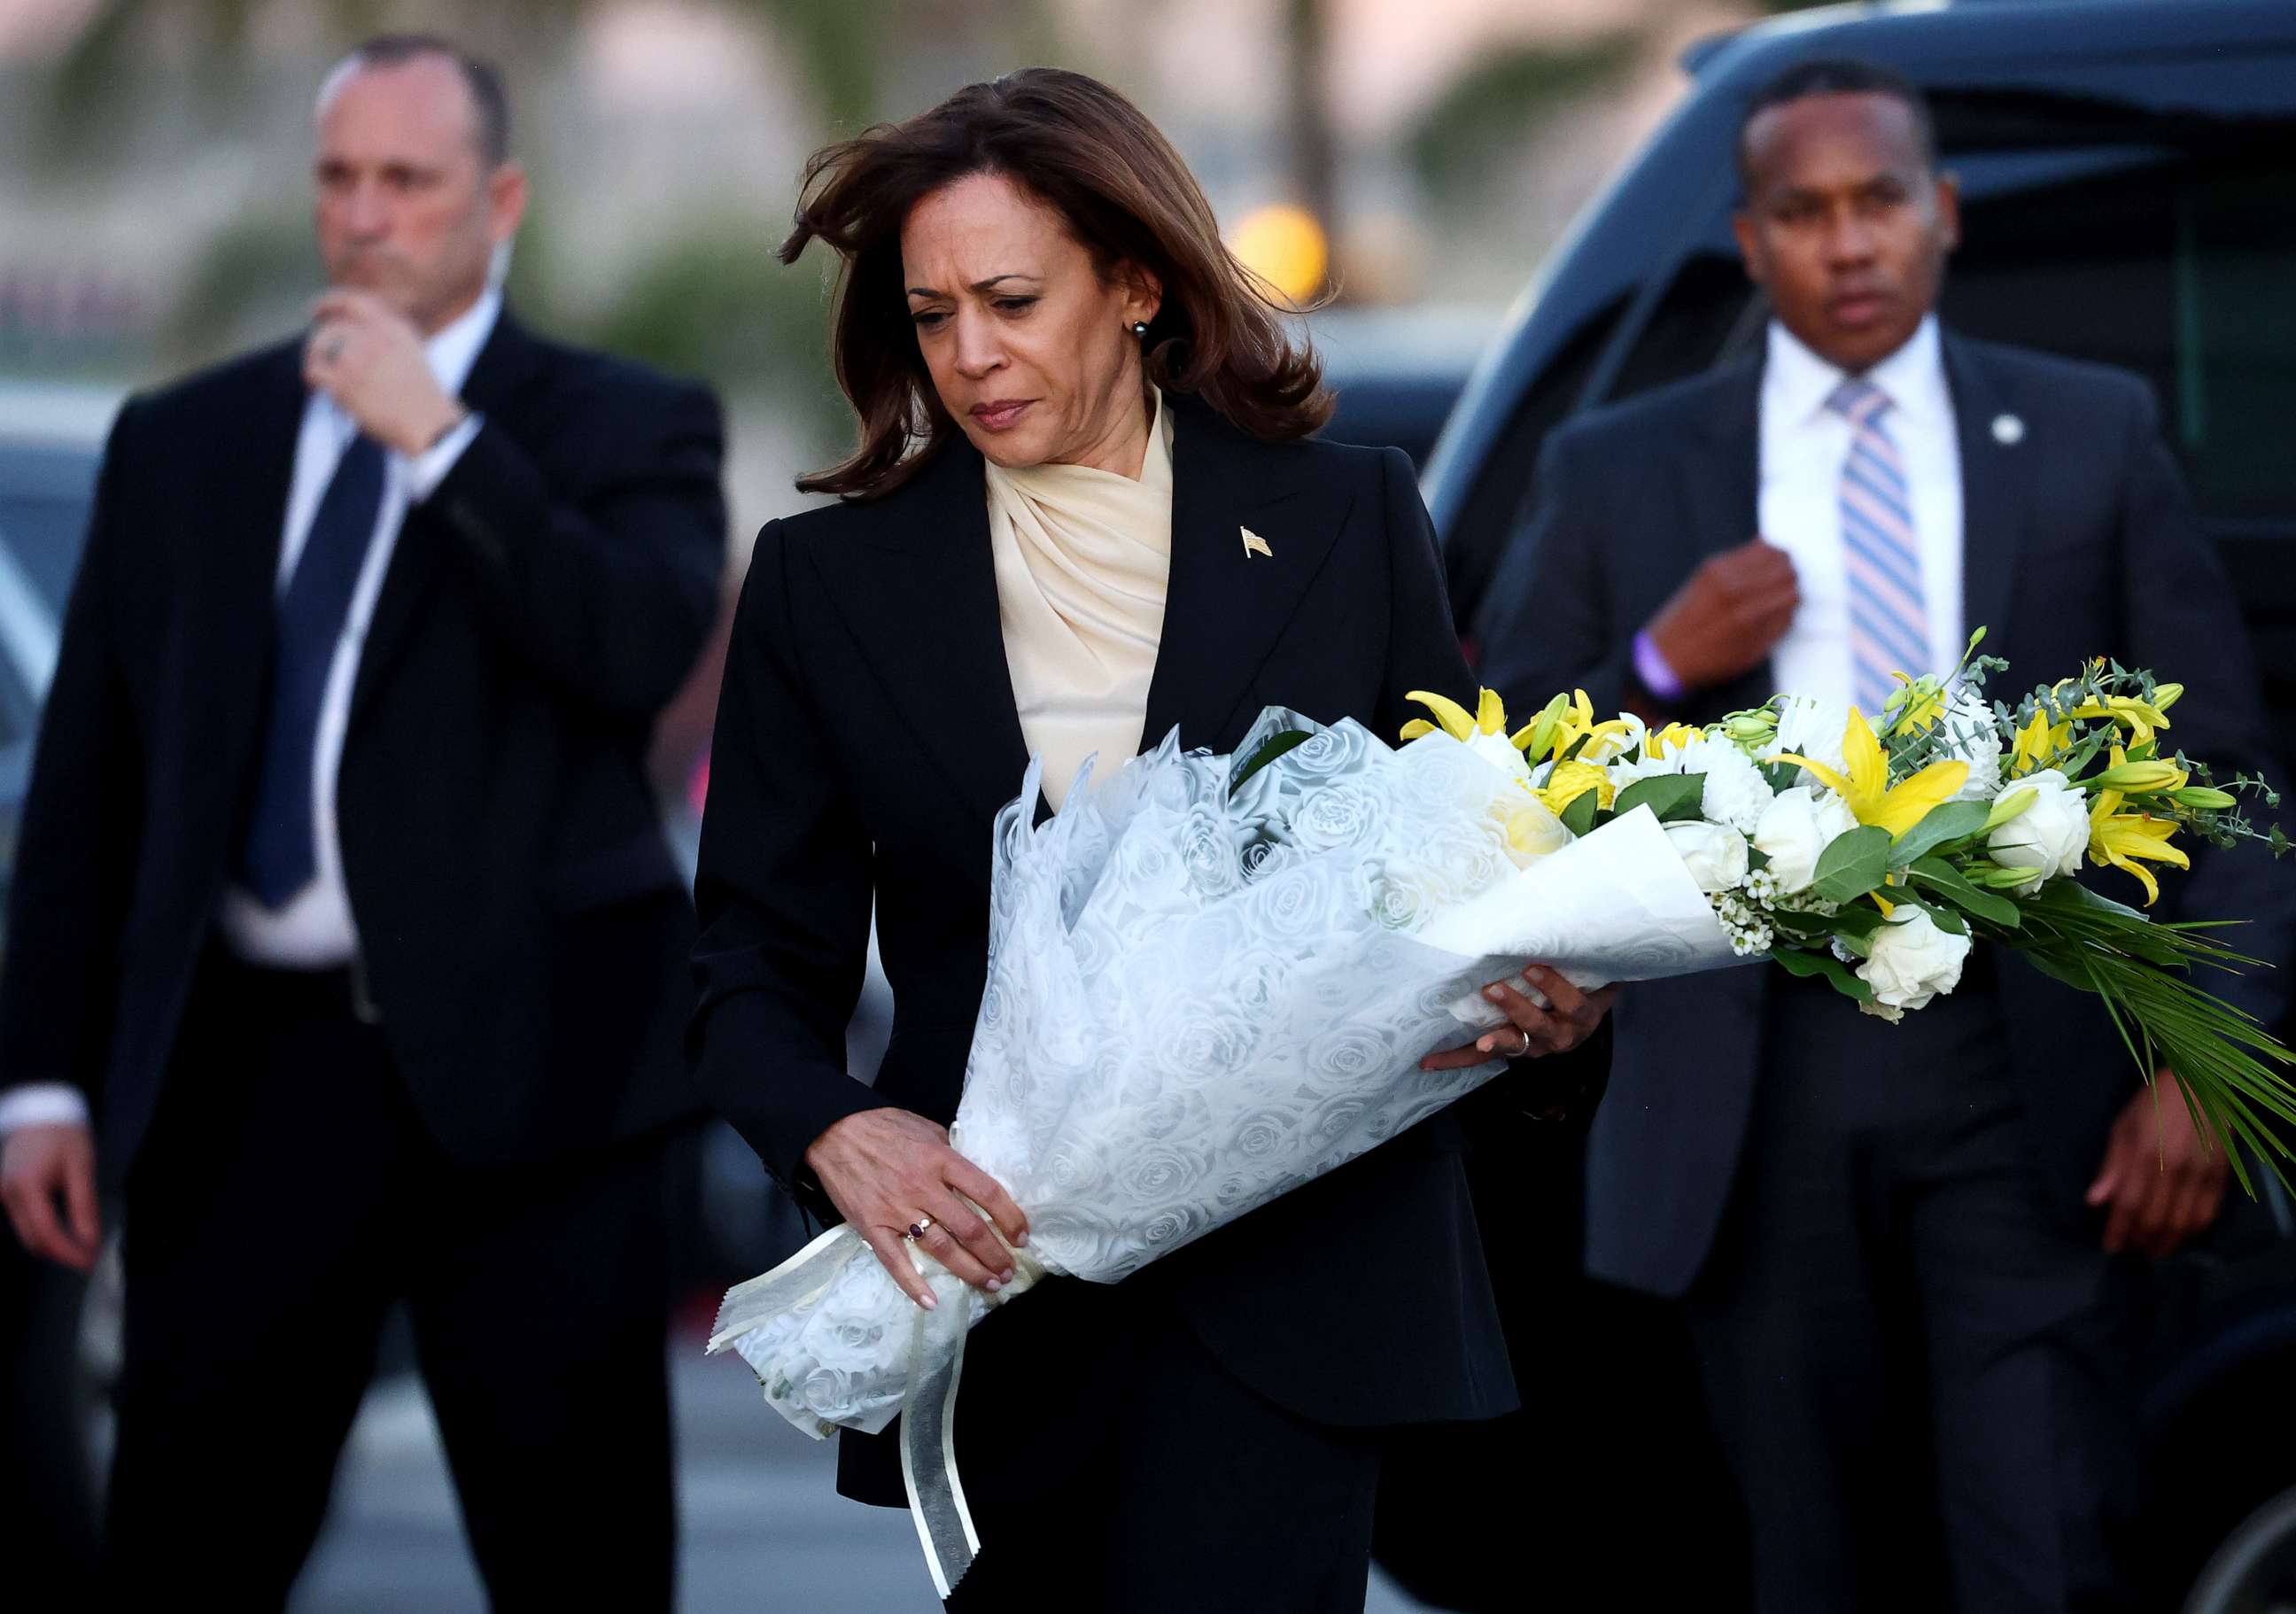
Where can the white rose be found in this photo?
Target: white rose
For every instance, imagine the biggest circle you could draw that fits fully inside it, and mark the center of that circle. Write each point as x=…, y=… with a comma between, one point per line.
x=1494, y=750
x=1795, y=829
x=1914, y=961
x=1715, y=854
x=2050, y=834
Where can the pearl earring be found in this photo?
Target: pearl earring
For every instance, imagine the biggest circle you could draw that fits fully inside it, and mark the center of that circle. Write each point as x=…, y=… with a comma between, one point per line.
x=1140, y=329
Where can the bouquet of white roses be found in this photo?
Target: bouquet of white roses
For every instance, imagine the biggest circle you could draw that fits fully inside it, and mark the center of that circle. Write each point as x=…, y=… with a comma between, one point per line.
x=1212, y=979
x=1876, y=852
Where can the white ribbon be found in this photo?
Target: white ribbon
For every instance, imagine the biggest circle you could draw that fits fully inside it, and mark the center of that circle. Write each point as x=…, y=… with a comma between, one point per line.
x=937, y=1503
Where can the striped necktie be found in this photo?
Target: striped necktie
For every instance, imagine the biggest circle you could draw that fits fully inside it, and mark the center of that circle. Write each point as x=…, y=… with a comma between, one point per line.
x=1889, y=626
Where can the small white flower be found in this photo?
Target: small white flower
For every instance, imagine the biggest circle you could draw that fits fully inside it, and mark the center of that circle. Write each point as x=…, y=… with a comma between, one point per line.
x=1913, y=961
x=1605, y=747
x=1736, y=794
x=1715, y=854
x=1795, y=829
x=2050, y=835
x=1813, y=728
x=1971, y=737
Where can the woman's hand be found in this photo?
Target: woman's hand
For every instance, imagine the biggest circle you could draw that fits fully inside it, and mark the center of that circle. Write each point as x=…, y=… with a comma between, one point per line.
x=889, y=1170
x=1531, y=1031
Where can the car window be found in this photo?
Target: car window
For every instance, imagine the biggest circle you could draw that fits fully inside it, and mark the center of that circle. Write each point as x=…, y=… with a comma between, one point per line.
x=2174, y=264
x=43, y=531
x=1488, y=520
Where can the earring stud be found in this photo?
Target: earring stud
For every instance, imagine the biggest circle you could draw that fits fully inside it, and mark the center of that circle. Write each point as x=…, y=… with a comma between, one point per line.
x=1140, y=329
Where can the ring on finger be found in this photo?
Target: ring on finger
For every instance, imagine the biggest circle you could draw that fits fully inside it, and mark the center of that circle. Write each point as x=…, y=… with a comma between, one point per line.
x=918, y=1229
x=1525, y=1048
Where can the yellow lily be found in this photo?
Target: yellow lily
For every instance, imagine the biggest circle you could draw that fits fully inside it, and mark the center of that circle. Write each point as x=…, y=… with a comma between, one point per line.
x=2037, y=743
x=1571, y=719
x=2141, y=718
x=1918, y=705
x=2144, y=778
x=1870, y=797
x=1573, y=779
x=1490, y=716
x=2129, y=840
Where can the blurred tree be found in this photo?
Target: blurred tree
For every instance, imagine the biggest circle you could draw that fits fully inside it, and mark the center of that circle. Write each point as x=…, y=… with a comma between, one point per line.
x=714, y=302
x=1314, y=165
x=840, y=42
x=105, y=83
x=1482, y=119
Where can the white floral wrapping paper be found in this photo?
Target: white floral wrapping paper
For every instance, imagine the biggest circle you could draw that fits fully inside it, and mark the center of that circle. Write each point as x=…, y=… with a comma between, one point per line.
x=1198, y=999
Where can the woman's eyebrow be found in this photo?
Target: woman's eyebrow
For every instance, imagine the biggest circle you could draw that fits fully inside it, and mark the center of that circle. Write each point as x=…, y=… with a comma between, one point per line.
x=978, y=285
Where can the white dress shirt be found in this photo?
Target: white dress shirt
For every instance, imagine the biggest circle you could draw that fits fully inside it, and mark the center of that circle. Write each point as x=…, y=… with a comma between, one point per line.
x=315, y=928
x=1804, y=446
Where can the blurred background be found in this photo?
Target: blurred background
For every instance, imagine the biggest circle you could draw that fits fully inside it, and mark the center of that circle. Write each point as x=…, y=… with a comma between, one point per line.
x=1512, y=211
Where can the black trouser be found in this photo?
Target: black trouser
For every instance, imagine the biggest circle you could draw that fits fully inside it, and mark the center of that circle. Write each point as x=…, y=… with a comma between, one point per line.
x=1900, y=1338
x=287, y=1196
x=1112, y=1466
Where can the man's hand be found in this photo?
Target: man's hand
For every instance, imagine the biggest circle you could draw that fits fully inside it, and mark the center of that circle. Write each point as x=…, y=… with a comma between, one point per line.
x=369, y=358
x=44, y=1170
x=889, y=1170
x=2163, y=1179
x=1726, y=619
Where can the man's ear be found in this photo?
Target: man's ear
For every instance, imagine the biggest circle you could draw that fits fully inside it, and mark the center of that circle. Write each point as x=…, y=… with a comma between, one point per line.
x=506, y=197
x=1949, y=209
x=1751, y=250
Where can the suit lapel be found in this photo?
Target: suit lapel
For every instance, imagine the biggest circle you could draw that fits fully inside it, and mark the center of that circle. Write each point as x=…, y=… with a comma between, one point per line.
x=501, y=372
x=239, y=573
x=915, y=585
x=1720, y=473
x=1225, y=605
x=1995, y=481
x=253, y=512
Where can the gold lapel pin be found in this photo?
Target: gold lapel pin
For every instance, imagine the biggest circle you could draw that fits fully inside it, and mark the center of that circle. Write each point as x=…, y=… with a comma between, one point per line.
x=1254, y=544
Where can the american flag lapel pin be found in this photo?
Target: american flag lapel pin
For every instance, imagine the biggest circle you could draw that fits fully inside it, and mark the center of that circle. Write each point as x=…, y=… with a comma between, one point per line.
x=1254, y=544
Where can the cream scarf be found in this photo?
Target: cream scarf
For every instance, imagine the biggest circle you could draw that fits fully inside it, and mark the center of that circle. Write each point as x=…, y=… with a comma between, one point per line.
x=1082, y=559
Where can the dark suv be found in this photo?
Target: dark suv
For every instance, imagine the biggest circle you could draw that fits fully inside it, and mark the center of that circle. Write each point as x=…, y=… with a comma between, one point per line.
x=2128, y=172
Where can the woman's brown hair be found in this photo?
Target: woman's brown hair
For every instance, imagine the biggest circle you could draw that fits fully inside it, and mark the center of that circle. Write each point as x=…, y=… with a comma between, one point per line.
x=1088, y=153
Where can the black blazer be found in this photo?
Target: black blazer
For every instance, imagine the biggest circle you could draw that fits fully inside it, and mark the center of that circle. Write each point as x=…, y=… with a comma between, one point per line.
x=867, y=738
x=2079, y=542
x=519, y=913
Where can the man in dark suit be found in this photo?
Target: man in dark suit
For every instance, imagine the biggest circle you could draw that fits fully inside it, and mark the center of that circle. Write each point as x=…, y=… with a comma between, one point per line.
x=1872, y=1223
x=342, y=906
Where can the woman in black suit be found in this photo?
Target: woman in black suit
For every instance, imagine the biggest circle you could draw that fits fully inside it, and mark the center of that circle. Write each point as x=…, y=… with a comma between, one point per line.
x=1083, y=512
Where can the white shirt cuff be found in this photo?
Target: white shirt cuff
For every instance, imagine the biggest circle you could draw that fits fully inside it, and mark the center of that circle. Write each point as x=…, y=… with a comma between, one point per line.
x=428, y=469
x=41, y=1104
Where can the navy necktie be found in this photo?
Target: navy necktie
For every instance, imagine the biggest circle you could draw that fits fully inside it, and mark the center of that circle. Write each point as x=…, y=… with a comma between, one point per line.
x=279, y=856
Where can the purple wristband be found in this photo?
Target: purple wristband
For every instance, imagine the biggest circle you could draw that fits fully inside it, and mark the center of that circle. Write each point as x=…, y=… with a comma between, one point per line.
x=1650, y=668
